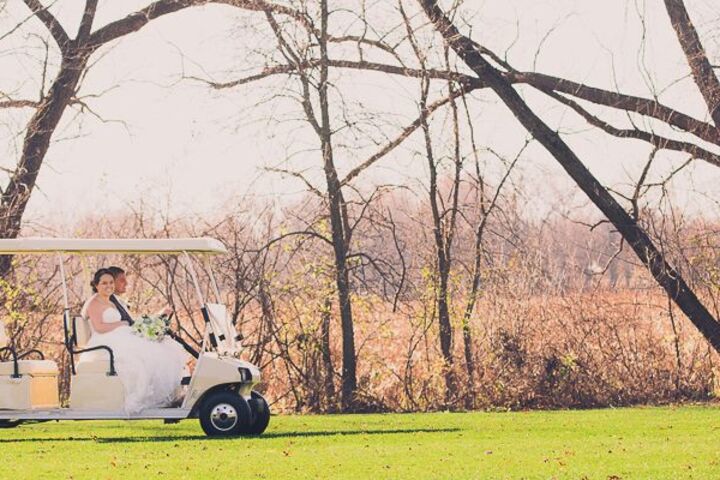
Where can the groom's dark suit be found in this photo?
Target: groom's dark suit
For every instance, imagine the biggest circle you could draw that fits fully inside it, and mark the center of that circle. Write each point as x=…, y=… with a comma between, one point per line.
x=124, y=315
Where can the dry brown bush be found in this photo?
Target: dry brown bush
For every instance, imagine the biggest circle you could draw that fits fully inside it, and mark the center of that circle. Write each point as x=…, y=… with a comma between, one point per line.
x=550, y=330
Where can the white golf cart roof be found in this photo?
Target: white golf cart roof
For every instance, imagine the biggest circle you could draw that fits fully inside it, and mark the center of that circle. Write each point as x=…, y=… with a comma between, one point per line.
x=113, y=245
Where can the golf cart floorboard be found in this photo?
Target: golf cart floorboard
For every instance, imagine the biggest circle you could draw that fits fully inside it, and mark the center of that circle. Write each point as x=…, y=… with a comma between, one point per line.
x=78, y=414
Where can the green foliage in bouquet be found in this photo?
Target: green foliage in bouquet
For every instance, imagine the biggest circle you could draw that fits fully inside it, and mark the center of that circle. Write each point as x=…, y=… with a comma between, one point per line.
x=152, y=327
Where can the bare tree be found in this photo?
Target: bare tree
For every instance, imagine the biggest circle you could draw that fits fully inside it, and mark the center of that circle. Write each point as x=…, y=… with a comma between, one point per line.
x=75, y=53
x=489, y=201
x=311, y=64
x=665, y=274
x=444, y=217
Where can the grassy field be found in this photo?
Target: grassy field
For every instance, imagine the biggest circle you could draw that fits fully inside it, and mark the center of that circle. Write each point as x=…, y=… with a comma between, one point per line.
x=643, y=443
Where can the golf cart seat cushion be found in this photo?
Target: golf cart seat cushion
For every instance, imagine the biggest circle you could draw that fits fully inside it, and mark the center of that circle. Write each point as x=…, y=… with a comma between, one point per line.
x=83, y=330
x=96, y=391
x=92, y=366
x=30, y=367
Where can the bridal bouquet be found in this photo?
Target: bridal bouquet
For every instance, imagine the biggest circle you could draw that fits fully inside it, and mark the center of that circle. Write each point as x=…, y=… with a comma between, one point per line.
x=152, y=327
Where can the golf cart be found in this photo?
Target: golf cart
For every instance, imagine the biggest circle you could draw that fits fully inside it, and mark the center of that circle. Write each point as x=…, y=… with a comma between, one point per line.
x=219, y=392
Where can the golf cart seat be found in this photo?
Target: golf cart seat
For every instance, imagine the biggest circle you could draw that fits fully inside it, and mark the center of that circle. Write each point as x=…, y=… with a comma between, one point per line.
x=92, y=366
x=94, y=384
x=98, y=363
x=27, y=384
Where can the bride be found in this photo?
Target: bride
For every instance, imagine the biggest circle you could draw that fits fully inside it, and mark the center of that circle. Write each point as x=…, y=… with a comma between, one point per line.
x=149, y=370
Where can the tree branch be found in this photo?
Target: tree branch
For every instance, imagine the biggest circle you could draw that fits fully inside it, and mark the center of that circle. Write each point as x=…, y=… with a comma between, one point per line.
x=139, y=19
x=700, y=67
x=309, y=233
x=87, y=20
x=465, y=80
x=135, y=21
x=51, y=23
x=299, y=176
x=639, y=105
x=290, y=55
x=10, y=103
x=407, y=131
x=365, y=41
x=657, y=141
x=642, y=106
x=265, y=6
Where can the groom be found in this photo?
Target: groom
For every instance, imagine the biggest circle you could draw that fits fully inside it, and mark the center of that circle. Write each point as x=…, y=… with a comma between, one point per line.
x=122, y=306
x=120, y=289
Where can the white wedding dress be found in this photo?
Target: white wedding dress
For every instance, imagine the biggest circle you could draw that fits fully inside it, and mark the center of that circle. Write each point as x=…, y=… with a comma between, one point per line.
x=149, y=370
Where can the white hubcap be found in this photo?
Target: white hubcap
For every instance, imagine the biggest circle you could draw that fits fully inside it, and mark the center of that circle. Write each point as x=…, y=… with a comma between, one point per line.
x=223, y=417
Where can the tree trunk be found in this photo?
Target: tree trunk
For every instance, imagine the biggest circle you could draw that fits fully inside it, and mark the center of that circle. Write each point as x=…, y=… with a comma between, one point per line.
x=443, y=263
x=470, y=308
x=329, y=371
x=467, y=333
x=335, y=198
x=665, y=275
x=40, y=129
x=267, y=322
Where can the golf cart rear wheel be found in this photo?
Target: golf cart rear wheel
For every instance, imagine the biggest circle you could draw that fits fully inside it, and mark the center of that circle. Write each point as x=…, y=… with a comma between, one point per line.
x=9, y=423
x=225, y=414
x=260, y=414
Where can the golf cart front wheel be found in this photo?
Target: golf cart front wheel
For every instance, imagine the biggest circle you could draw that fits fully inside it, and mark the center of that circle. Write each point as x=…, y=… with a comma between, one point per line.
x=260, y=414
x=9, y=423
x=225, y=414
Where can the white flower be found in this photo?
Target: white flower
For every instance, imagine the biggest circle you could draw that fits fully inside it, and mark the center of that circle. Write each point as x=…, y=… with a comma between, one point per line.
x=152, y=327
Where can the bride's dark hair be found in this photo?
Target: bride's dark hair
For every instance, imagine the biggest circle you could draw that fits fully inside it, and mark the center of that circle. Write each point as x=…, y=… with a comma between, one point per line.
x=97, y=276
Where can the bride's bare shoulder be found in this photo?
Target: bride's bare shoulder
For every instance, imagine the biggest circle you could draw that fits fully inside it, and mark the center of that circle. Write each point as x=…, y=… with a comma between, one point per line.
x=93, y=306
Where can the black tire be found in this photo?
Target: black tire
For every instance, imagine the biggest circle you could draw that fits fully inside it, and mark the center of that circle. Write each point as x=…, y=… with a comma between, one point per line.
x=260, y=414
x=225, y=414
x=9, y=423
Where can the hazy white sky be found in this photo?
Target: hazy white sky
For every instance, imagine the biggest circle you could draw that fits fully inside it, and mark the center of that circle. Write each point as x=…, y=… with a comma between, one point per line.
x=198, y=147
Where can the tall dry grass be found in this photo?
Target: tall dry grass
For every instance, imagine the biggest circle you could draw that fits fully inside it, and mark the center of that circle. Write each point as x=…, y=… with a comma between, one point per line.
x=559, y=323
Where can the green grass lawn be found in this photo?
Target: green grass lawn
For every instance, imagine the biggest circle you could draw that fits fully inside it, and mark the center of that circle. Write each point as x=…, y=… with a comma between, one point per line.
x=646, y=443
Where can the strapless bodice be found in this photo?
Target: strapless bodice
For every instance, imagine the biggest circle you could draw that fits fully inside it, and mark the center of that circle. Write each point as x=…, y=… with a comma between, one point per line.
x=111, y=315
